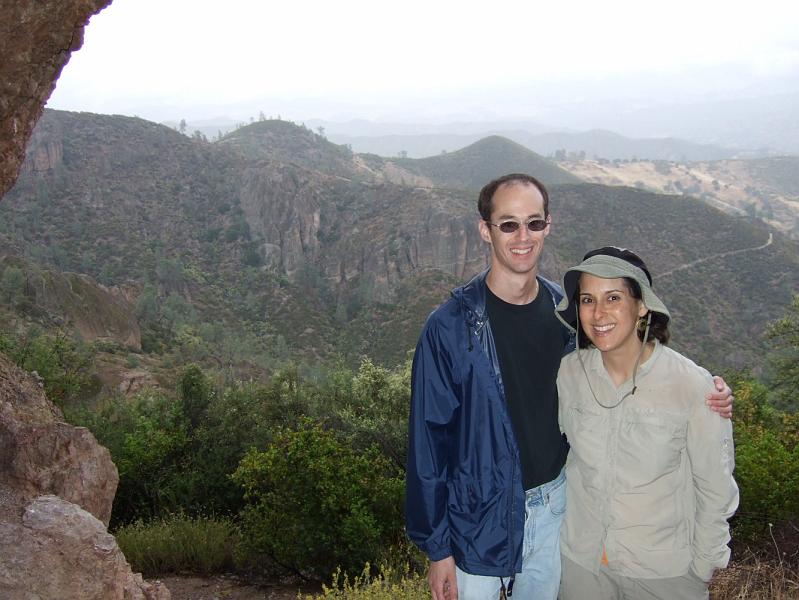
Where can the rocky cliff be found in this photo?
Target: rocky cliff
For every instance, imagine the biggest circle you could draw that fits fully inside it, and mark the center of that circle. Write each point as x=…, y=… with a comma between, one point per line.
x=57, y=486
x=56, y=483
x=36, y=40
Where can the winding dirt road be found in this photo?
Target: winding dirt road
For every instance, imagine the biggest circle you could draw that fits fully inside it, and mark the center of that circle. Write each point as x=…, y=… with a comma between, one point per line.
x=693, y=263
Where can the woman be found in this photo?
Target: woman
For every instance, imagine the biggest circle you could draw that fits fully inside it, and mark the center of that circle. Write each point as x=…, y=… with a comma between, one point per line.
x=649, y=473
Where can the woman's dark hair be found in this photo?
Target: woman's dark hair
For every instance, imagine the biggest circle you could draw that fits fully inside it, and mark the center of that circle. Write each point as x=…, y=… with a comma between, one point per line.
x=658, y=329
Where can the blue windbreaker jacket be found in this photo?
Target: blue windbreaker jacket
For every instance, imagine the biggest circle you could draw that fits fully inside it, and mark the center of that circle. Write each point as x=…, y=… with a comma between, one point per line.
x=464, y=492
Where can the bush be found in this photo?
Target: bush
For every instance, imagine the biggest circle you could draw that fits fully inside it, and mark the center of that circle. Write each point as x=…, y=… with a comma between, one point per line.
x=152, y=481
x=179, y=544
x=766, y=460
x=64, y=364
x=386, y=585
x=315, y=503
x=375, y=409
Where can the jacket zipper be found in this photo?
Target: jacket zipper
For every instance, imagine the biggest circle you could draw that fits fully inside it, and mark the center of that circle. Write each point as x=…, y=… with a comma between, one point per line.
x=511, y=518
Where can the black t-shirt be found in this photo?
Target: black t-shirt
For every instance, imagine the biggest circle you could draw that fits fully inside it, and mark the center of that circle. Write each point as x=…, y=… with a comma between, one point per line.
x=529, y=341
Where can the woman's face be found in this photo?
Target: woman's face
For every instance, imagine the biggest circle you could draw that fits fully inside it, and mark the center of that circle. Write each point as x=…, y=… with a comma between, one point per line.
x=608, y=314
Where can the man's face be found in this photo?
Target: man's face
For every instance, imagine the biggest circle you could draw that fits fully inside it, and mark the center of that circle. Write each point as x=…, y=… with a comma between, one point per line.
x=515, y=253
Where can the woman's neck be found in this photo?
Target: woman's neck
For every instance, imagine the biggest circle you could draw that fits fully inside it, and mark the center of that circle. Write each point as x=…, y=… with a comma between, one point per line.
x=620, y=363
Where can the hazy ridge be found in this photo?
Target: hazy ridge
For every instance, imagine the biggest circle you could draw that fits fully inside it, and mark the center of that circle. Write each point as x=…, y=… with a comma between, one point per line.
x=274, y=243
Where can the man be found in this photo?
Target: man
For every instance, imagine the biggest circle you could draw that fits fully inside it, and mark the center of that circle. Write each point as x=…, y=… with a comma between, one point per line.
x=484, y=415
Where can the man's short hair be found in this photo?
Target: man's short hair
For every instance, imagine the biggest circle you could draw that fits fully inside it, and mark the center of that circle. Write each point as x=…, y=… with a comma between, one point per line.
x=485, y=200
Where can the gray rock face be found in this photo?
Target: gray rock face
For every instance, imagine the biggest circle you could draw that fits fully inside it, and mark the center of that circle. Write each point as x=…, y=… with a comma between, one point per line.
x=57, y=485
x=61, y=551
x=43, y=455
x=282, y=207
x=36, y=40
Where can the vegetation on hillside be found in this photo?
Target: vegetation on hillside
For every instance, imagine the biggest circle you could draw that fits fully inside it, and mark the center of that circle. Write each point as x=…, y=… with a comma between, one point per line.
x=477, y=164
x=266, y=246
x=261, y=274
x=214, y=477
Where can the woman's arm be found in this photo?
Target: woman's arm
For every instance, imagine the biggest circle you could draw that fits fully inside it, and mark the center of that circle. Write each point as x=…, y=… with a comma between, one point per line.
x=712, y=459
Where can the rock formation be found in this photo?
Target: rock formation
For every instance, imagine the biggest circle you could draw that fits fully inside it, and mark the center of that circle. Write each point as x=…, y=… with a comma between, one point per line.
x=36, y=41
x=57, y=485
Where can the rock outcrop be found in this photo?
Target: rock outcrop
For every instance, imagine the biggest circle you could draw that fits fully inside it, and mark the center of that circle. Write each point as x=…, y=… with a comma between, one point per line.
x=36, y=41
x=57, y=486
x=57, y=483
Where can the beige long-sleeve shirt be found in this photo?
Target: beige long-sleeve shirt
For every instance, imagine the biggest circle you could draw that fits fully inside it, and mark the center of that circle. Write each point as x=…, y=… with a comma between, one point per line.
x=649, y=481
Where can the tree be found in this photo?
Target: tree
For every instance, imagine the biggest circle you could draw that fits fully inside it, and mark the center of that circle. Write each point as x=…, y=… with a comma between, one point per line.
x=12, y=285
x=182, y=126
x=315, y=502
x=766, y=459
x=147, y=305
x=169, y=272
x=195, y=394
x=784, y=333
x=377, y=410
x=64, y=365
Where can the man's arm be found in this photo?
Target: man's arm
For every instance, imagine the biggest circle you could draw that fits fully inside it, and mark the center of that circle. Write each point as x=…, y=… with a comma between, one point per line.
x=720, y=401
x=433, y=403
x=442, y=579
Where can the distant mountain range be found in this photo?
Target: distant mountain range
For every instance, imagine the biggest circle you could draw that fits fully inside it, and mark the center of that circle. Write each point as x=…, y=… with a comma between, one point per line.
x=751, y=124
x=393, y=140
x=765, y=188
x=588, y=144
x=274, y=243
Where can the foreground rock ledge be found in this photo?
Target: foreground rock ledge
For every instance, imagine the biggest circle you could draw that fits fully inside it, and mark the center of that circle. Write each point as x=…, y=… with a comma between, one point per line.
x=57, y=485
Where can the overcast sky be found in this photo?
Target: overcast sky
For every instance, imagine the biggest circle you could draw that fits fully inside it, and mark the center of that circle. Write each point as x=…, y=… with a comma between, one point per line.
x=421, y=60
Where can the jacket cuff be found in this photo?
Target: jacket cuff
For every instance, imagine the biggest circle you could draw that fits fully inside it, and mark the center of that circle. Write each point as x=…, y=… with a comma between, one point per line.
x=439, y=553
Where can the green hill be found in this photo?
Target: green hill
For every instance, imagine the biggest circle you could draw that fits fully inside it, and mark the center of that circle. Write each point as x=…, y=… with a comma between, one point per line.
x=285, y=141
x=474, y=166
x=241, y=254
x=719, y=306
x=780, y=173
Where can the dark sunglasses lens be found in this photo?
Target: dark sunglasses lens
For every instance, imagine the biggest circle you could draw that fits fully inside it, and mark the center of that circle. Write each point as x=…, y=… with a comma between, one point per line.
x=537, y=225
x=508, y=226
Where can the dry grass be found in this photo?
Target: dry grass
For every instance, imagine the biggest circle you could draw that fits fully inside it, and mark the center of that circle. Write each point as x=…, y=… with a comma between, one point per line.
x=756, y=580
x=767, y=571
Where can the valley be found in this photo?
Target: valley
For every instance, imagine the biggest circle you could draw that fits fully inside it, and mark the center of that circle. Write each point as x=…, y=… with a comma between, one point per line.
x=273, y=245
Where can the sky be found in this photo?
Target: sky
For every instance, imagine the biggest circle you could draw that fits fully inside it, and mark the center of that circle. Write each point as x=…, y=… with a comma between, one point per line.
x=421, y=60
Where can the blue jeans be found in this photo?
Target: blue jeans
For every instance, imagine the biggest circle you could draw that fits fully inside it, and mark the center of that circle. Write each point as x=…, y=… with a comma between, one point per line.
x=540, y=576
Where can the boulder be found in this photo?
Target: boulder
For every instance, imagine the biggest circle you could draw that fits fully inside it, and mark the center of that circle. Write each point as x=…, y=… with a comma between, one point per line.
x=57, y=486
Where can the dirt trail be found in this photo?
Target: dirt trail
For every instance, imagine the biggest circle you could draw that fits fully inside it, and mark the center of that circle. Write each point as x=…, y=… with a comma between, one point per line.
x=221, y=587
x=718, y=255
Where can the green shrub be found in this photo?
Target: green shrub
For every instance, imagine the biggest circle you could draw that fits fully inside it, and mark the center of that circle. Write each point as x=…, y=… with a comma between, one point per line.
x=63, y=364
x=388, y=584
x=766, y=460
x=315, y=503
x=179, y=544
x=150, y=457
x=376, y=409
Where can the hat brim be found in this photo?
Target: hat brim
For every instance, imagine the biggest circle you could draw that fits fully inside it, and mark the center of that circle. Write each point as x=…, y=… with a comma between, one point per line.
x=606, y=267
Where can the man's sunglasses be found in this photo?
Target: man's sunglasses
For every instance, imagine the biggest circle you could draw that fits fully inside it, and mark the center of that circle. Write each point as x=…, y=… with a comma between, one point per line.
x=512, y=226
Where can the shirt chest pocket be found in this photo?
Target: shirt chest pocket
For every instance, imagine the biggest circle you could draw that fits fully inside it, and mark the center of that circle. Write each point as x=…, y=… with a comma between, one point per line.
x=652, y=443
x=586, y=429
